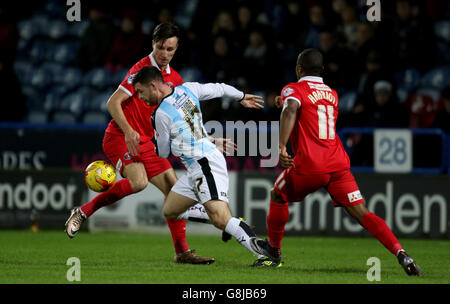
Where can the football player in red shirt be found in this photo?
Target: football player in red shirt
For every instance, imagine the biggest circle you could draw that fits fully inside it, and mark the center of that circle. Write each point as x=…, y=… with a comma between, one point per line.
x=308, y=120
x=127, y=143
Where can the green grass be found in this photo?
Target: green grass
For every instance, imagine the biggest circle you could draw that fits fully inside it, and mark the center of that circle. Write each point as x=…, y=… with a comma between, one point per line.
x=27, y=257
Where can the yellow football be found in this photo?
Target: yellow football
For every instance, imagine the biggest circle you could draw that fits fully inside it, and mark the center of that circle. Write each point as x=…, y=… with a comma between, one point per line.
x=100, y=176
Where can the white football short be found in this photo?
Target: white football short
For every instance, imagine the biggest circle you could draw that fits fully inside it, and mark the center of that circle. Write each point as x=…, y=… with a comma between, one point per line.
x=205, y=180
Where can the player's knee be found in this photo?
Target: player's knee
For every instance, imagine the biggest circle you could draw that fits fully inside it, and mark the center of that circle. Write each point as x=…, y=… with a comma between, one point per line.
x=167, y=213
x=138, y=184
x=137, y=176
x=217, y=219
x=219, y=223
x=220, y=219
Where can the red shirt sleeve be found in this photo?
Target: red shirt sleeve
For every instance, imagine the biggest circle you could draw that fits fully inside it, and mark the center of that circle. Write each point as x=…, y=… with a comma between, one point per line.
x=290, y=91
x=126, y=84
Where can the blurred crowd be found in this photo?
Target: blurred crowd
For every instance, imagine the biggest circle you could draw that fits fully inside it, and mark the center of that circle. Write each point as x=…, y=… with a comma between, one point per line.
x=392, y=73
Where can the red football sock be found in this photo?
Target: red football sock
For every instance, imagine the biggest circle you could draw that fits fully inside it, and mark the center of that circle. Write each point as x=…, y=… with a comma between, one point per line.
x=380, y=230
x=178, y=231
x=121, y=189
x=276, y=220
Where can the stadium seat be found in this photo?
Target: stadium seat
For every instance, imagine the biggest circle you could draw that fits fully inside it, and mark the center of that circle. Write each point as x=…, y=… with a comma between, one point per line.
x=408, y=79
x=147, y=26
x=22, y=69
x=41, y=21
x=37, y=116
x=70, y=78
x=75, y=102
x=76, y=29
x=95, y=117
x=118, y=77
x=64, y=117
x=98, y=78
x=53, y=68
x=347, y=101
x=442, y=34
x=185, y=12
x=437, y=78
x=402, y=95
x=191, y=74
x=64, y=52
x=38, y=51
x=442, y=30
x=41, y=78
x=57, y=29
x=54, y=8
x=33, y=97
x=98, y=101
x=23, y=49
x=27, y=30
x=54, y=97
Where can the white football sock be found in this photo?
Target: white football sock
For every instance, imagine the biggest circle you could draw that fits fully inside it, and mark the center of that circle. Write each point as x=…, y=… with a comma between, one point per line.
x=196, y=213
x=242, y=233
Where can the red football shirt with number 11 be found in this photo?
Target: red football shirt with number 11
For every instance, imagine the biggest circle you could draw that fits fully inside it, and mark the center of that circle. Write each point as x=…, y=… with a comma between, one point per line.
x=314, y=141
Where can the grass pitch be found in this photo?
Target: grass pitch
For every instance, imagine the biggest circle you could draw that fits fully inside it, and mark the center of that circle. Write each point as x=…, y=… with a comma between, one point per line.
x=108, y=258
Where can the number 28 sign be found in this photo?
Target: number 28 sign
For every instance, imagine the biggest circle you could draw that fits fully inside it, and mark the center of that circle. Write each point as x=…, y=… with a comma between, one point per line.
x=393, y=150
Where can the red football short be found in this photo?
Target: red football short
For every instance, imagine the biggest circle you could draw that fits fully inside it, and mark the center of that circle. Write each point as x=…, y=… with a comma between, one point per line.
x=341, y=186
x=116, y=150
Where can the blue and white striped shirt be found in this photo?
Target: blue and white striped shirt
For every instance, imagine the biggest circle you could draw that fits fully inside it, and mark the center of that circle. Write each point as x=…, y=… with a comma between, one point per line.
x=178, y=120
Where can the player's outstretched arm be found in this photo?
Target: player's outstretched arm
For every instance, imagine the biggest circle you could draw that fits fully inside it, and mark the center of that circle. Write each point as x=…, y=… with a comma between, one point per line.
x=252, y=101
x=287, y=121
x=132, y=137
x=216, y=90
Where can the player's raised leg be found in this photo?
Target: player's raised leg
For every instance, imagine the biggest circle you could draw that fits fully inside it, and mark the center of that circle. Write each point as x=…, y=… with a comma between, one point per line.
x=345, y=192
x=381, y=231
x=135, y=180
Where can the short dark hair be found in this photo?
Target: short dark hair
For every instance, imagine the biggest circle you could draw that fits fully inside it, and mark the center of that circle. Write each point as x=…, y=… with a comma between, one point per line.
x=165, y=31
x=147, y=74
x=311, y=60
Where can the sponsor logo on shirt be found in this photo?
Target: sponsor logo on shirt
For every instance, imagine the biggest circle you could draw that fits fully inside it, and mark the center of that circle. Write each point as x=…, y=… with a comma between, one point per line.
x=127, y=156
x=180, y=101
x=319, y=86
x=354, y=196
x=119, y=165
x=288, y=91
x=130, y=78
